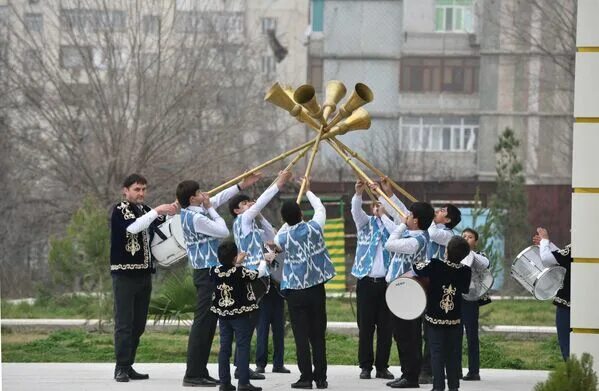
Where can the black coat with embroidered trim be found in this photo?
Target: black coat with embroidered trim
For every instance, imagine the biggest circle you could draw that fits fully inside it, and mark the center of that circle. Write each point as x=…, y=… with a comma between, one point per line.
x=130, y=253
x=564, y=258
x=233, y=294
x=447, y=282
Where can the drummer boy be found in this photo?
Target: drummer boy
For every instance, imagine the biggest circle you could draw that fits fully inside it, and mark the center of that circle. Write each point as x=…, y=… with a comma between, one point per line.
x=448, y=280
x=408, y=245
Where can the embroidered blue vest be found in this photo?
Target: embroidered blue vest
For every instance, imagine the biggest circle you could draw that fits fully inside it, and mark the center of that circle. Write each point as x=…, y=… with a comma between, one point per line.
x=252, y=243
x=369, y=237
x=436, y=250
x=201, y=249
x=307, y=262
x=402, y=263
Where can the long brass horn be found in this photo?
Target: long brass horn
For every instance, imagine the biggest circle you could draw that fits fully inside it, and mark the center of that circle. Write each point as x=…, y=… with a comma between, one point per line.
x=361, y=95
x=279, y=97
x=334, y=92
x=359, y=119
x=305, y=95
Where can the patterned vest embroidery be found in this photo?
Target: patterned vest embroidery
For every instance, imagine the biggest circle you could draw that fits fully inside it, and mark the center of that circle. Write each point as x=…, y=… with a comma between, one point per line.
x=201, y=249
x=369, y=237
x=446, y=302
x=307, y=262
x=402, y=263
x=252, y=243
x=435, y=250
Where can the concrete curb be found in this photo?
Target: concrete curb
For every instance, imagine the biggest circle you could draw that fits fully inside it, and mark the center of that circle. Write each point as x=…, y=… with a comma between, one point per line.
x=335, y=327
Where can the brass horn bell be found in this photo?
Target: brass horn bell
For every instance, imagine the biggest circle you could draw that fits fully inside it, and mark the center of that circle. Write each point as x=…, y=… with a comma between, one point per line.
x=359, y=119
x=278, y=96
x=335, y=91
x=361, y=95
x=305, y=95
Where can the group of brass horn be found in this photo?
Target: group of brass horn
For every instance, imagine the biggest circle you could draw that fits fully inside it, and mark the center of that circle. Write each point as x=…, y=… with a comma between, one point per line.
x=303, y=105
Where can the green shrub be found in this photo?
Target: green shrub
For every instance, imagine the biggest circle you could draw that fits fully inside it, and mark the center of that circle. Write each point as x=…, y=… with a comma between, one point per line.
x=572, y=375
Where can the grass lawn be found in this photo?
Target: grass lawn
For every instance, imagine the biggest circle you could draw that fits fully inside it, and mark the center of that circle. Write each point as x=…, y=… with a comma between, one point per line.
x=501, y=312
x=82, y=346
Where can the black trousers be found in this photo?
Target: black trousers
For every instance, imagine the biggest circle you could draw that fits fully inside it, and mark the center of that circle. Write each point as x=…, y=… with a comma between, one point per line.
x=131, y=302
x=308, y=315
x=373, y=313
x=203, y=327
x=408, y=337
x=426, y=355
x=271, y=313
x=470, y=311
x=446, y=347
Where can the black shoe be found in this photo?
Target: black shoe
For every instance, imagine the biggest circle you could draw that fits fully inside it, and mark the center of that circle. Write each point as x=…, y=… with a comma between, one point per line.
x=365, y=374
x=404, y=383
x=384, y=374
x=253, y=375
x=453, y=389
x=425, y=378
x=280, y=370
x=248, y=387
x=471, y=376
x=302, y=384
x=121, y=375
x=208, y=377
x=199, y=382
x=226, y=387
x=259, y=369
x=438, y=389
x=321, y=384
x=134, y=375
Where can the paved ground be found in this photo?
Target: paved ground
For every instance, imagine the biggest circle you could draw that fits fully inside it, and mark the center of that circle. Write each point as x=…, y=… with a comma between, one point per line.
x=98, y=377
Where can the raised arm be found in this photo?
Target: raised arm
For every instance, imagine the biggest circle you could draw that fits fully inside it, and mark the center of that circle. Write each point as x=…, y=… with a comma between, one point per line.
x=397, y=244
x=146, y=220
x=439, y=236
x=360, y=217
x=225, y=195
x=320, y=212
x=546, y=249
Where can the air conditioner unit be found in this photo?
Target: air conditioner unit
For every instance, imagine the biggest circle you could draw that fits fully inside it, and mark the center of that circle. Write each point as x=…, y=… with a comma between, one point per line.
x=473, y=40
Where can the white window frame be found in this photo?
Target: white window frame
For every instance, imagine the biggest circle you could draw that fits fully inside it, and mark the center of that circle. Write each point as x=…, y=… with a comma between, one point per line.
x=424, y=137
x=455, y=8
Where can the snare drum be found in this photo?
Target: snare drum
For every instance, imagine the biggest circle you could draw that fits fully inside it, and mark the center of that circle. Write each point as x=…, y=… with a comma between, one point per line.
x=480, y=283
x=168, y=244
x=406, y=296
x=542, y=282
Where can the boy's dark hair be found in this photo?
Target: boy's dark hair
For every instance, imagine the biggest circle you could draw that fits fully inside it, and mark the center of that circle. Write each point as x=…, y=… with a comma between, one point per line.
x=457, y=249
x=134, y=178
x=454, y=214
x=424, y=212
x=235, y=201
x=227, y=251
x=185, y=190
x=291, y=212
x=472, y=231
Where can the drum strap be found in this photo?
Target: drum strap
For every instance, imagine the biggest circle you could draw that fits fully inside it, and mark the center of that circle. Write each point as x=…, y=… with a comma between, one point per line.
x=158, y=232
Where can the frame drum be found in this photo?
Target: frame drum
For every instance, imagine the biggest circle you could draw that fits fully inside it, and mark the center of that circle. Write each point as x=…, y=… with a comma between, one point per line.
x=406, y=296
x=542, y=282
x=168, y=245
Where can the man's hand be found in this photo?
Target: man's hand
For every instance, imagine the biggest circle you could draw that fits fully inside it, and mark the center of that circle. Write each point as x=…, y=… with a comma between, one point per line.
x=284, y=177
x=386, y=186
x=269, y=257
x=375, y=187
x=307, y=179
x=359, y=187
x=166, y=209
x=542, y=232
x=206, y=201
x=536, y=240
x=250, y=180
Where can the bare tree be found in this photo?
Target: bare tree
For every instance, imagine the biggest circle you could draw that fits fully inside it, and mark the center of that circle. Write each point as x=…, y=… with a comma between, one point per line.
x=93, y=90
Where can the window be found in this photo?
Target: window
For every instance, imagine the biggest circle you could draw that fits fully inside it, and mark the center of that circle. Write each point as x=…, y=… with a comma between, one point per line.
x=205, y=22
x=454, y=16
x=269, y=65
x=151, y=24
x=92, y=20
x=74, y=56
x=269, y=24
x=439, y=74
x=317, y=15
x=109, y=58
x=438, y=134
x=34, y=22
